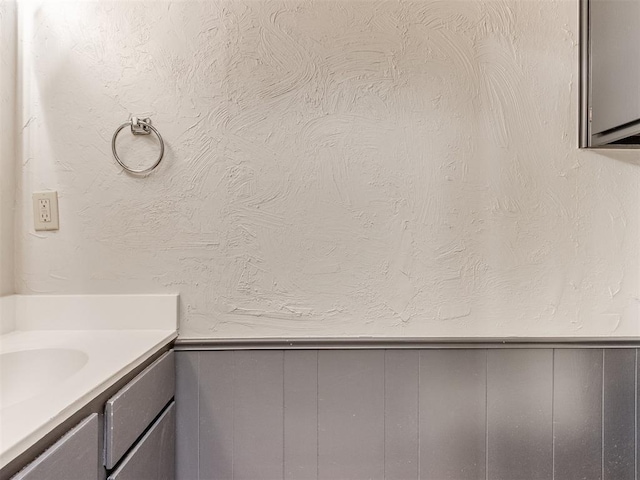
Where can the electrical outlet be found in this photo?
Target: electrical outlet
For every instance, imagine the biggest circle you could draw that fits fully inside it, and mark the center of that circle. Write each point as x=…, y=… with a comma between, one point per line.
x=44, y=206
x=45, y=211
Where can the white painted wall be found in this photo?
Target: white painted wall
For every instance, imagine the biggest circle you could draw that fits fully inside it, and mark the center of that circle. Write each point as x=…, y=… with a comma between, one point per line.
x=334, y=168
x=8, y=50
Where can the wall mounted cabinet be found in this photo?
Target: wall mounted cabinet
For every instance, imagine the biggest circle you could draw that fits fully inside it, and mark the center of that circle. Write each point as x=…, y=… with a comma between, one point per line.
x=610, y=73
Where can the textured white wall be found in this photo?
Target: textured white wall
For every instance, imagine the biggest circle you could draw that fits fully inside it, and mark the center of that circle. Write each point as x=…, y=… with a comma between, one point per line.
x=334, y=168
x=8, y=50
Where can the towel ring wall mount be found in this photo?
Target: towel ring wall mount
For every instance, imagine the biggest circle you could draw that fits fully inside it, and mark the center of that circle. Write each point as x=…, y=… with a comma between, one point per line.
x=139, y=126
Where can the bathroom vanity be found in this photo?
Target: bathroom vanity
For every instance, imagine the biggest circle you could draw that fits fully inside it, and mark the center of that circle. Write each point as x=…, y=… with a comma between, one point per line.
x=89, y=387
x=137, y=429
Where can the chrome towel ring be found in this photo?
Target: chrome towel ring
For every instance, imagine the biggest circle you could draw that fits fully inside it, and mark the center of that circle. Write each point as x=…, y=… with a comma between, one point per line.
x=139, y=126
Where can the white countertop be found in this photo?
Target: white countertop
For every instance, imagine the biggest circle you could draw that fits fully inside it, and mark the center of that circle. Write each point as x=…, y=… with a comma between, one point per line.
x=117, y=333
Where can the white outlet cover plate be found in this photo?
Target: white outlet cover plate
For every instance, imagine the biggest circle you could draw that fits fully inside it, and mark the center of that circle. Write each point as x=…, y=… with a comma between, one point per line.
x=53, y=206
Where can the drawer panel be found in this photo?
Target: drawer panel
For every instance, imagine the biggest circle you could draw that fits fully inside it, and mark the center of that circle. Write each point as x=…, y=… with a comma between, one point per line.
x=130, y=411
x=75, y=455
x=153, y=457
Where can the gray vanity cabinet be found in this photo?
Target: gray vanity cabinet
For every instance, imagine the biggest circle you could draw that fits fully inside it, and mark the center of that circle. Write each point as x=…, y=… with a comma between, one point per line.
x=610, y=73
x=133, y=440
x=74, y=456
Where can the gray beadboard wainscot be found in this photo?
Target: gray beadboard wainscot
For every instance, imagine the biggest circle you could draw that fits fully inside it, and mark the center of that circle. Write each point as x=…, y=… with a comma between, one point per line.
x=501, y=413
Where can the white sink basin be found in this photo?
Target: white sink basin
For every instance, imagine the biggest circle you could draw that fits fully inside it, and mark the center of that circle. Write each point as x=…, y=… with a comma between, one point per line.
x=27, y=373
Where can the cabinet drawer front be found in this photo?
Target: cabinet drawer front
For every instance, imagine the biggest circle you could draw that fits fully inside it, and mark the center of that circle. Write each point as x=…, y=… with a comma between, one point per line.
x=130, y=411
x=74, y=456
x=153, y=457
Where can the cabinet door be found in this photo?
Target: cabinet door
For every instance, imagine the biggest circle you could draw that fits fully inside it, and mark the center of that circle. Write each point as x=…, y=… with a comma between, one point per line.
x=153, y=457
x=73, y=457
x=130, y=411
x=615, y=66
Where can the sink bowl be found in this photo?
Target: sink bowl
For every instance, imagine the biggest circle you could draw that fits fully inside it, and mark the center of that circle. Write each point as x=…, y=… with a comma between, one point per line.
x=28, y=373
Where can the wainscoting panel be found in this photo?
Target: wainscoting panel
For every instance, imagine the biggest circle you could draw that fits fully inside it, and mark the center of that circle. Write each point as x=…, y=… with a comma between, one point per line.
x=258, y=415
x=453, y=399
x=619, y=413
x=399, y=414
x=216, y=404
x=577, y=414
x=350, y=414
x=519, y=410
x=301, y=415
x=188, y=383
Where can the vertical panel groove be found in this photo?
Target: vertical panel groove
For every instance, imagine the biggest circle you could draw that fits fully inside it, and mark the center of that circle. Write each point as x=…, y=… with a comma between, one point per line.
x=486, y=414
x=198, y=355
x=602, y=459
x=419, y=438
x=636, y=415
x=418, y=415
x=384, y=420
x=234, y=357
x=284, y=412
x=553, y=419
x=317, y=415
